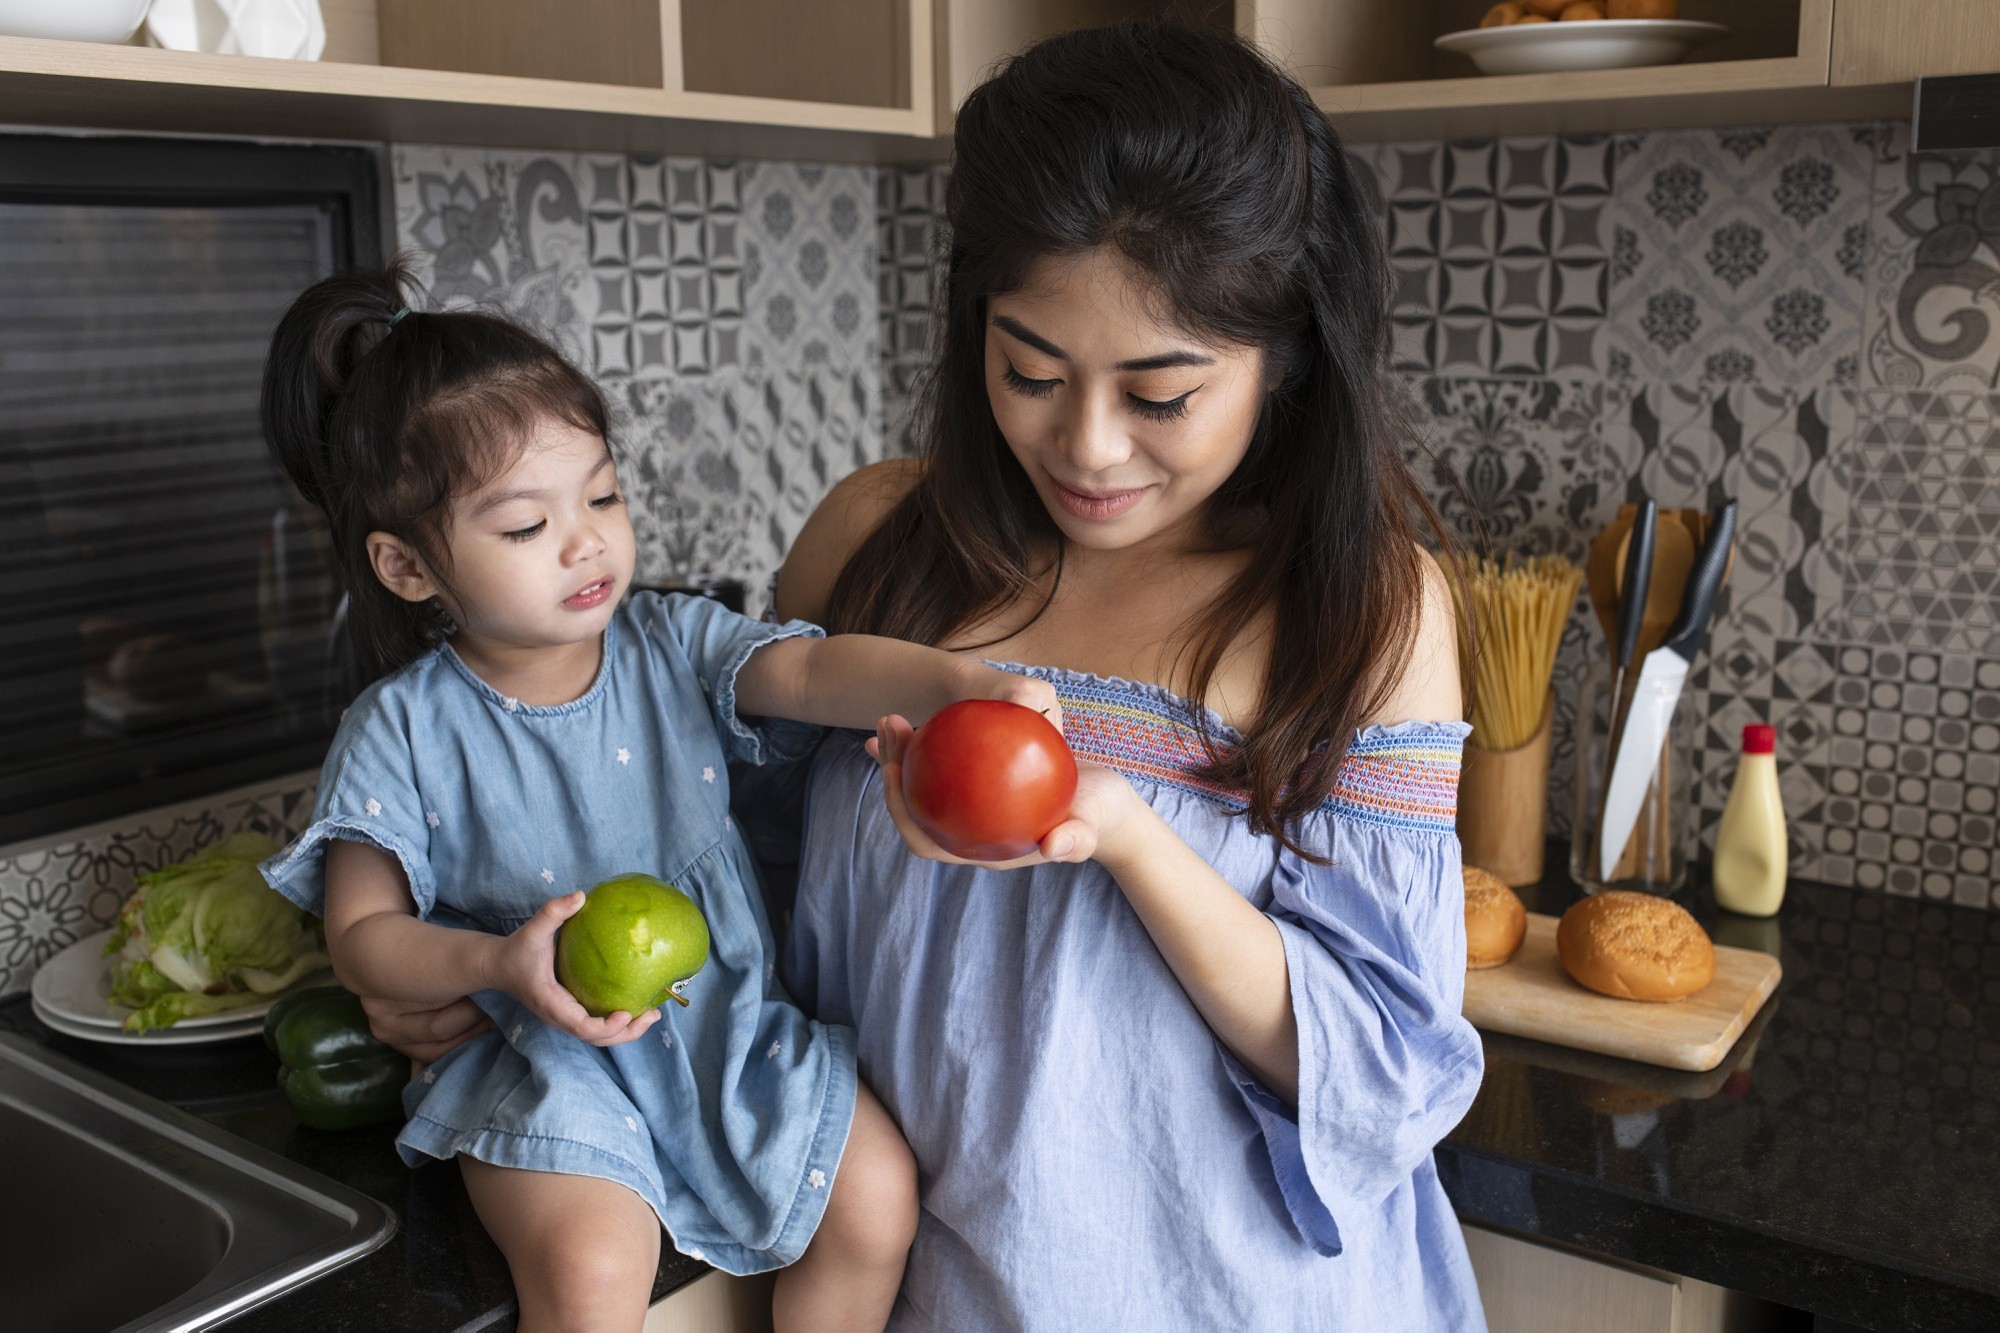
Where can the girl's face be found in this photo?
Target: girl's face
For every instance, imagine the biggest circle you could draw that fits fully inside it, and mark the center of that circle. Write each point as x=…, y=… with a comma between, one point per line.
x=541, y=554
x=1125, y=424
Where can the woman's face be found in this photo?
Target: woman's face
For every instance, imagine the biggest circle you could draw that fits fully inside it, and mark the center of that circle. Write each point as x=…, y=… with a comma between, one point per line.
x=1125, y=423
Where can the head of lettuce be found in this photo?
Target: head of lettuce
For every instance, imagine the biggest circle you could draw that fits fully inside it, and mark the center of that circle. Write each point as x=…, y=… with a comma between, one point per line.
x=208, y=935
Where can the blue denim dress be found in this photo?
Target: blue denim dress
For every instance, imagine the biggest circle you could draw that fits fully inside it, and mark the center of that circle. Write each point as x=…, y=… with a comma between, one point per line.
x=730, y=1115
x=1090, y=1156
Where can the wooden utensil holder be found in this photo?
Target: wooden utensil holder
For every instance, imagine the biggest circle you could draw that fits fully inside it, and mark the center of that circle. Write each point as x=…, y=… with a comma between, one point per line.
x=1503, y=805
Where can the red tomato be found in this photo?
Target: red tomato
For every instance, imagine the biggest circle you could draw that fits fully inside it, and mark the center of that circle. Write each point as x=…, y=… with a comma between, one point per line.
x=987, y=779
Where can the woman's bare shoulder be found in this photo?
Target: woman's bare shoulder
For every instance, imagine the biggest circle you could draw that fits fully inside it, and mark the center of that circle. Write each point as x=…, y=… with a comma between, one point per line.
x=1428, y=689
x=843, y=520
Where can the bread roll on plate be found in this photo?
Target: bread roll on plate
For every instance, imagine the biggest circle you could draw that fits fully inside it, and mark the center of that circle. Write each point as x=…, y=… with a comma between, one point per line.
x=1634, y=946
x=1495, y=921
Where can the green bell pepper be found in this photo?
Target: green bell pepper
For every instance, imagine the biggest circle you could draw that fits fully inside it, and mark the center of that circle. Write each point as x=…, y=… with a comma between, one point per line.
x=331, y=1068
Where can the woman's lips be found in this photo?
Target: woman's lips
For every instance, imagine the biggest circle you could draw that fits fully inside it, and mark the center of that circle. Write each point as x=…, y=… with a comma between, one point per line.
x=1098, y=507
x=592, y=596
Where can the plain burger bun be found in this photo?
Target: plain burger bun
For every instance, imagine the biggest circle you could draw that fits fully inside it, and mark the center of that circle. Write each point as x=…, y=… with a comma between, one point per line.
x=1633, y=946
x=1495, y=921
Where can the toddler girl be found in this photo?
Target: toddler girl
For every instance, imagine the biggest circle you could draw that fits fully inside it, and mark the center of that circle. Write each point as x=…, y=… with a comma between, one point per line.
x=536, y=732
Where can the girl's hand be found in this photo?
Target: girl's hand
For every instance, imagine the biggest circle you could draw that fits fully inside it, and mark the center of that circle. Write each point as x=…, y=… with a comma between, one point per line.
x=525, y=967
x=423, y=1031
x=1101, y=817
x=980, y=681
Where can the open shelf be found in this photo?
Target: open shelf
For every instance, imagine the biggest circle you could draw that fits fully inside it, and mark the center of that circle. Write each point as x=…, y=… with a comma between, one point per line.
x=825, y=80
x=879, y=80
x=1372, y=66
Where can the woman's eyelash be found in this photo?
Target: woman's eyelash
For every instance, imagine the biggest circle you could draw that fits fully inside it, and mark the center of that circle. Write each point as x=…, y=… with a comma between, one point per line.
x=525, y=534
x=1021, y=384
x=1172, y=409
x=606, y=501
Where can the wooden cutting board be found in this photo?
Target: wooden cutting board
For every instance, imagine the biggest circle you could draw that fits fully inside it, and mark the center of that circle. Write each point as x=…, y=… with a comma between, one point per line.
x=1533, y=996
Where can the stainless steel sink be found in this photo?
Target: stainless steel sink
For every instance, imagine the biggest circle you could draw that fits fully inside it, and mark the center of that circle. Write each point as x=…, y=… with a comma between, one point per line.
x=120, y=1212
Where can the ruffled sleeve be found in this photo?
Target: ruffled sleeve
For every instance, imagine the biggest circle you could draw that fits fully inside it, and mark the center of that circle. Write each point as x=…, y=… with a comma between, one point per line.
x=367, y=793
x=717, y=642
x=1375, y=946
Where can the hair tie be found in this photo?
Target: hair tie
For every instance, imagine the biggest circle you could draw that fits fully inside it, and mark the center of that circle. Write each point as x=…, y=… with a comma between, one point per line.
x=397, y=318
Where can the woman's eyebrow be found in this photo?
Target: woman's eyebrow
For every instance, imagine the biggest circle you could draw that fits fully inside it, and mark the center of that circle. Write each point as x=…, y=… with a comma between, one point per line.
x=1164, y=361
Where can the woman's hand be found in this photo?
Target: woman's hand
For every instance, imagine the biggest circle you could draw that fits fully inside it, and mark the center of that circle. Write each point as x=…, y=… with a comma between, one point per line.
x=525, y=967
x=1100, y=816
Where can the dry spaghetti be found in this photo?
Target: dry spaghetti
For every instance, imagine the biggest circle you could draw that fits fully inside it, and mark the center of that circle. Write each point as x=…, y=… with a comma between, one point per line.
x=1510, y=623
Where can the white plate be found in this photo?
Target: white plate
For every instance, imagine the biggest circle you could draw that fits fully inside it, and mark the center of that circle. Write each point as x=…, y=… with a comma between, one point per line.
x=172, y=1036
x=1556, y=48
x=75, y=986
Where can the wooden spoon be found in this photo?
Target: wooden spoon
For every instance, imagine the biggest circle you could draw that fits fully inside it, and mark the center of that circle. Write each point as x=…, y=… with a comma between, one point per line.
x=1602, y=568
x=1673, y=560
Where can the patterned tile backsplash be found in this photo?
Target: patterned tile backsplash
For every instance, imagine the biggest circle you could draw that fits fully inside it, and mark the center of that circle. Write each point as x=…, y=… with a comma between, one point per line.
x=1802, y=318
x=730, y=309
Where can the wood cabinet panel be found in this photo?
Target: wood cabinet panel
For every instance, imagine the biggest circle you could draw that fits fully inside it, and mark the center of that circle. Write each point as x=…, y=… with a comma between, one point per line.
x=1895, y=41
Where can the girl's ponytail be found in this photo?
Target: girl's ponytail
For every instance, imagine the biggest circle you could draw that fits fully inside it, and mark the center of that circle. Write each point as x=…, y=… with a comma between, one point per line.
x=381, y=416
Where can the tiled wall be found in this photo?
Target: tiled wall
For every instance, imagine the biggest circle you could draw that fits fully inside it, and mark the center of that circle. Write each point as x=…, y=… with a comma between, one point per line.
x=1801, y=318
x=730, y=309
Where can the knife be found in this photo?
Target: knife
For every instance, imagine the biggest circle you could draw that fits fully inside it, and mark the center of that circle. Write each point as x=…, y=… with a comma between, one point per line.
x=1658, y=690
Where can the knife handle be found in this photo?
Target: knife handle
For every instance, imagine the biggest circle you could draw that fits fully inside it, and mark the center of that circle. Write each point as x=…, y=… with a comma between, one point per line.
x=1704, y=583
x=1638, y=581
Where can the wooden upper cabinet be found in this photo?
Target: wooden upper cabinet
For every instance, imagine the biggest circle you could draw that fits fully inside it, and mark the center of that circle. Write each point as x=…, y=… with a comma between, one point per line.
x=974, y=36
x=1896, y=41
x=880, y=80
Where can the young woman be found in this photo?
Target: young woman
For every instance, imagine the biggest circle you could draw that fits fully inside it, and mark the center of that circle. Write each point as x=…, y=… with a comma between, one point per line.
x=1185, y=1067
x=538, y=732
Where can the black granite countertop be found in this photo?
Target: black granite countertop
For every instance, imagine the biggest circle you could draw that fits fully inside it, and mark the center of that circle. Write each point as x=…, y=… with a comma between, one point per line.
x=438, y=1272
x=1845, y=1157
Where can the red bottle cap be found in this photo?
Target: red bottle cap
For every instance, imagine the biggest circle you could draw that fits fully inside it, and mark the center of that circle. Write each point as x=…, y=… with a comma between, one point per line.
x=1759, y=738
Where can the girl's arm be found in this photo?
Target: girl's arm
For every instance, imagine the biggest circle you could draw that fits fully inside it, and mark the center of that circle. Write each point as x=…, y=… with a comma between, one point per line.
x=854, y=680
x=381, y=949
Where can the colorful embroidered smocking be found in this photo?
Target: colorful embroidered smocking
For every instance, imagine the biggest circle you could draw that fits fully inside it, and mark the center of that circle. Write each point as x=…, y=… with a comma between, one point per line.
x=1405, y=776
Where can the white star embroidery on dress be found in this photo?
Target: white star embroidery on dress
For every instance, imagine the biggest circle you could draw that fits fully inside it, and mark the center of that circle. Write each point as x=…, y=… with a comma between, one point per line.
x=513, y=704
x=666, y=1035
x=771, y=1052
x=816, y=1178
x=631, y=1124
x=430, y=1076
x=548, y=875
x=431, y=818
x=708, y=774
x=371, y=807
x=515, y=1035
x=624, y=755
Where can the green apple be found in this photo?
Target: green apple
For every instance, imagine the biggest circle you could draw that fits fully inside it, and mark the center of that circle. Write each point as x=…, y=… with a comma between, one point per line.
x=632, y=943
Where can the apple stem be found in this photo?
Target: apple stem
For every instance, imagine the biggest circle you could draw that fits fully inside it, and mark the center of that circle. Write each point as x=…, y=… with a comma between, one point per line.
x=679, y=998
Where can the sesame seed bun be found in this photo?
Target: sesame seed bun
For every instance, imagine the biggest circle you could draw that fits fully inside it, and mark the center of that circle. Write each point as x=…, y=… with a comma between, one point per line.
x=1495, y=920
x=1634, y=946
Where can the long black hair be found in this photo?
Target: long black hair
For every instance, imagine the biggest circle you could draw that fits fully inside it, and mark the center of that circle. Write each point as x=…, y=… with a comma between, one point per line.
x=381, y=415
x=1188, y=153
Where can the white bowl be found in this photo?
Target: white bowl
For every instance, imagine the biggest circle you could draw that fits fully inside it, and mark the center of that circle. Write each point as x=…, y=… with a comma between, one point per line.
x=73, y=20
x=1556, y=48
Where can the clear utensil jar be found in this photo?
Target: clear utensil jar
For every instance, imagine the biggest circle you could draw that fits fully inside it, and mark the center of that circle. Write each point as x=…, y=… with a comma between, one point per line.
x=1654, y=859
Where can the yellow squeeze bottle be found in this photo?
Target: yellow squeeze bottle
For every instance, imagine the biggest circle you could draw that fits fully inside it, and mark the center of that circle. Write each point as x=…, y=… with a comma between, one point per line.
x=1750, y=852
